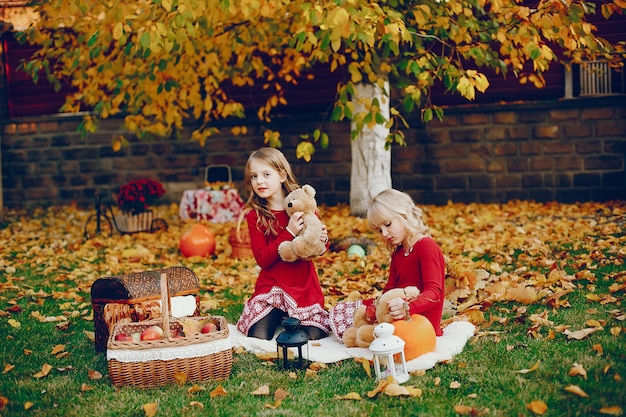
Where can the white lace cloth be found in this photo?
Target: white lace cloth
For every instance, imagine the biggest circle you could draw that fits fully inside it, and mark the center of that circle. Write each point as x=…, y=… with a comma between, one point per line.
x=169, y=353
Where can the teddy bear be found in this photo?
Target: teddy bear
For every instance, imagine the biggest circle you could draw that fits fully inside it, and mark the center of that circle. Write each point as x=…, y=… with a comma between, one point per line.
x=361, y=334
x=308, y=243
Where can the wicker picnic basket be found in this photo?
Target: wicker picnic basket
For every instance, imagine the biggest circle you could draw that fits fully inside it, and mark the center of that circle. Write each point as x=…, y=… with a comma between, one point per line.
x=239, y=239
x=152, y=363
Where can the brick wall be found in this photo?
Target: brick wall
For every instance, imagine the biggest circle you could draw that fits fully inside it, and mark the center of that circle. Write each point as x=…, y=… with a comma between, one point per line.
x=560, y=151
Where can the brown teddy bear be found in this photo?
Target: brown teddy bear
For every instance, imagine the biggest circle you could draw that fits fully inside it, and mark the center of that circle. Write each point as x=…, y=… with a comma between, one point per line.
x=308, y=243
x=361, y=333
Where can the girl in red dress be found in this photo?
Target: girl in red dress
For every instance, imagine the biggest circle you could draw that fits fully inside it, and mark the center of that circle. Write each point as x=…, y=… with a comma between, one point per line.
x=416, y=260
x=282, y=288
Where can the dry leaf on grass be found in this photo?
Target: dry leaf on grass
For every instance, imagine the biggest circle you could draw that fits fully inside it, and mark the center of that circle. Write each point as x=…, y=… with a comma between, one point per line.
x=614, y=410
x=575, y=389
x=262, y=390
x=531, y=369
x=94, y=375
x=45, y=370
x=349, y=396
x=537, y=407
x=150, y=409
x=219, y=391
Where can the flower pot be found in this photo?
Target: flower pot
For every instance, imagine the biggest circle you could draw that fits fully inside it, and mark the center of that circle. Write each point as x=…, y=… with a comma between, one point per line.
x=132, y=223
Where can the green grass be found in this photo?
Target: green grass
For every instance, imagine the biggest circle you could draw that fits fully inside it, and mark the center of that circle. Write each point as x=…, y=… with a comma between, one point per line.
x=487, y=371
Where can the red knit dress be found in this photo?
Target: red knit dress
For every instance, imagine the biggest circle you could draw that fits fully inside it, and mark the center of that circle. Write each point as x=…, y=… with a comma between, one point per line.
x=293, y=287
x=422, y=267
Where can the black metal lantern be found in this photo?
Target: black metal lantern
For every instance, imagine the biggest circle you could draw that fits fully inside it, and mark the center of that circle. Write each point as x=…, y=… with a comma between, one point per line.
x=292, y=336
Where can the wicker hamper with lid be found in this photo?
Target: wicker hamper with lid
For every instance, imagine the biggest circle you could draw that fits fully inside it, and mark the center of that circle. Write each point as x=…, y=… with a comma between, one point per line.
x=152, y=363
x=135, y=297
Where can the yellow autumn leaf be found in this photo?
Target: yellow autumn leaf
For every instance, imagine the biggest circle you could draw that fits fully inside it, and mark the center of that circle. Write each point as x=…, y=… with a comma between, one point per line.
x=86, y=387
x=150, y=409
x=580, y=334
x=262, y=390
x=194, y=389
x=394, y=390
x=7, y=368
x=577, y=370
x=196, y=404
x=219, y=391
x=537, y=407
x=575, y=389
x=14, y=323
x=28, y=405
x=57, y=349
x=180, y=378
x=531, y=369
x=45, y=370
x=614, y=410
x=366, y=365
x=349, y=396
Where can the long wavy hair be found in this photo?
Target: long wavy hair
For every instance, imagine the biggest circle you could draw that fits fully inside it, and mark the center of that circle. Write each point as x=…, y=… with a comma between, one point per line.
x=393, y=204
x=276, y=160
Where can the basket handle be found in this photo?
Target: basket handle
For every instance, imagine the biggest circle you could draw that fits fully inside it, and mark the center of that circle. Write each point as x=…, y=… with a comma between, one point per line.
x=240, y=218
x=165, y=305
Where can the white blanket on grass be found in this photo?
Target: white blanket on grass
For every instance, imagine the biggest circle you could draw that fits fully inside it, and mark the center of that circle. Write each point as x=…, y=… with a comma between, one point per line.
x=330, y=349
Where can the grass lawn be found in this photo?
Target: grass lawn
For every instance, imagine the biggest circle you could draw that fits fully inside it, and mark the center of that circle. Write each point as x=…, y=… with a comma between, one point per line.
x=544, y=283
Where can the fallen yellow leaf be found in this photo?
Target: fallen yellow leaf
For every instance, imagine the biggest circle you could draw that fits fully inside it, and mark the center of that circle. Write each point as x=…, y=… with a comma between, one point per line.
x=28, y=405
x=262, y=390
x=150, y=409
x=531, y=369
x=575, y=389
x=537, y=407
x=14, y=323
x=57, y=349
x=349, y=396
x=8, y=367
x=180, y=378
x=195, y=388
x=45, y=370
x=280, y=394
x=197, y=404
x=219, y=391
x=577, y=369
x=614, y=410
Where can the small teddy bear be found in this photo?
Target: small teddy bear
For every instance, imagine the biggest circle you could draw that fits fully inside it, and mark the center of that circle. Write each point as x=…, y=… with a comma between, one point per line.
x=308, y=243
x=361, y=334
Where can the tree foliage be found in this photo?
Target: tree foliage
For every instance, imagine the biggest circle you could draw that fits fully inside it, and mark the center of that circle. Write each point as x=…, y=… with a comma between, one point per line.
x=161, y=63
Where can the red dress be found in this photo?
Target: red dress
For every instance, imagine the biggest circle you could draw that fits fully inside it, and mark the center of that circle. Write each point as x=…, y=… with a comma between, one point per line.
x=424, y=268
x=292, y=287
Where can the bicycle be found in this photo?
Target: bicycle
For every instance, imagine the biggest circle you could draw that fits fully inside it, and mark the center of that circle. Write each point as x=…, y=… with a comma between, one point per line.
x=101, y=221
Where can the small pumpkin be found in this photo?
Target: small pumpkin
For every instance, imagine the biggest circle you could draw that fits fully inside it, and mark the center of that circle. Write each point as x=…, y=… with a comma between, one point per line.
x=418, y=334
x=198, y=241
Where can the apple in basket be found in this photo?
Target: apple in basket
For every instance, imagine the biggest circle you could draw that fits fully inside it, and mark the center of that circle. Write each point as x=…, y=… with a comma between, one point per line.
x=208, y=327
x=152, y=333
x=123, y=337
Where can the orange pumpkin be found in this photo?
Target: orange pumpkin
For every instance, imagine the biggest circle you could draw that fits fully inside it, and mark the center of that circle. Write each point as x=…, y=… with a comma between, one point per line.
x=418, y=334
x=198, y=241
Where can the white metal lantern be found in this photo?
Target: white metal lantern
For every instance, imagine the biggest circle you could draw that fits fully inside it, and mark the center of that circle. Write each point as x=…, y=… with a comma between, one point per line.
x=384, y=346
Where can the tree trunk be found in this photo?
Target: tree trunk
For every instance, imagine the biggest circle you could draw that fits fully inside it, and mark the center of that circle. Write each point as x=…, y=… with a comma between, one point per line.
x=371, y=162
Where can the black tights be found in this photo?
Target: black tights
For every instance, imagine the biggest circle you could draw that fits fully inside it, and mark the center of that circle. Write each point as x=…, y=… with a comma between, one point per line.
x=266, y=327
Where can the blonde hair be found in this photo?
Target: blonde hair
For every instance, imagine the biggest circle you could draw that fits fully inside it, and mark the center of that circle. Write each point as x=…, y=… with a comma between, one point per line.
x=276, y=160
x=393, y=204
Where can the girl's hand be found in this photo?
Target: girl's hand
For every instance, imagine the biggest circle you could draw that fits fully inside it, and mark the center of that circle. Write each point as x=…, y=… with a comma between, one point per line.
x=324, y=235
x=396, y=308
x=296, y=223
